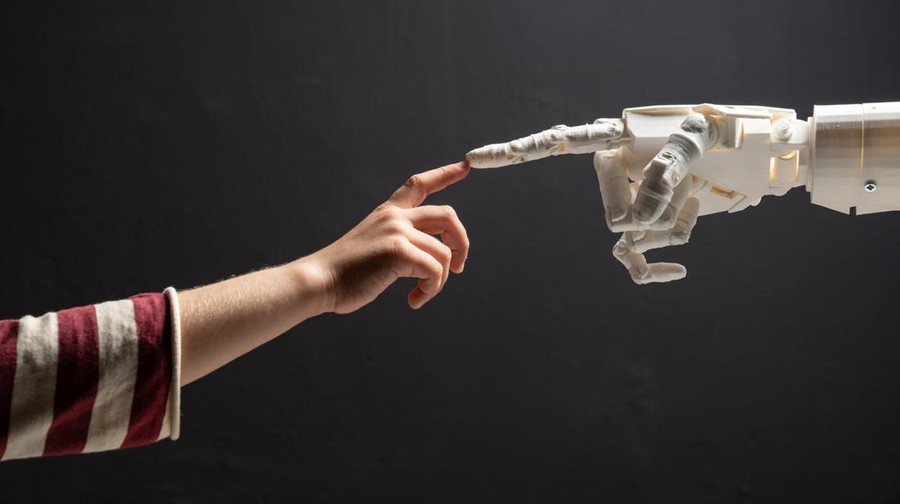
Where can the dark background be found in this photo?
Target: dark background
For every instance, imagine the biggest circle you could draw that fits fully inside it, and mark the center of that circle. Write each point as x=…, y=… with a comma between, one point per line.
x=147, y=144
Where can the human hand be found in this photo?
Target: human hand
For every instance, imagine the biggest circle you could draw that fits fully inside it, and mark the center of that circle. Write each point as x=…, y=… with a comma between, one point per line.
x=661, y=167
x=396, y=241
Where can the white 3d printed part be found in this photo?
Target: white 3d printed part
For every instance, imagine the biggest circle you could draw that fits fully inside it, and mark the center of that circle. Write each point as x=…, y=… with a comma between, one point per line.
x=856, y=157
x=847, y=156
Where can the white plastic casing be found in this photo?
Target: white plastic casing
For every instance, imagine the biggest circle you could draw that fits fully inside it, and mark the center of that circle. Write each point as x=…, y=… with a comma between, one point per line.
x=847, y=156
x=855, y=159
x=751, y=159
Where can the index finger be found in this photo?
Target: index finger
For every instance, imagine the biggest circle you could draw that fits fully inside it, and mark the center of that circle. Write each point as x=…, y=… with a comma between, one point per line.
x=419, y=186
x=560, y=139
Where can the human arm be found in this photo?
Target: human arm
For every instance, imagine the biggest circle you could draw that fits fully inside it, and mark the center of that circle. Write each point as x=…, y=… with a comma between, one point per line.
x=108, y=376
x=224, y=320
x=91, y=378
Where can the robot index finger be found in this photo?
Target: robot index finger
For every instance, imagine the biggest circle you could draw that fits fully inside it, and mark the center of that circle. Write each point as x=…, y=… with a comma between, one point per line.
x=602, y=134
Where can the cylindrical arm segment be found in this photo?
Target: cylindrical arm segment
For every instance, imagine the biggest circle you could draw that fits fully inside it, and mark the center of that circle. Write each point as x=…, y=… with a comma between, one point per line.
x=856, y=157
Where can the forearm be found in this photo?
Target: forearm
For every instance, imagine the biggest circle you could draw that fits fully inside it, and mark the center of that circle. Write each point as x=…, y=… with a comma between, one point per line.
x=224, y=320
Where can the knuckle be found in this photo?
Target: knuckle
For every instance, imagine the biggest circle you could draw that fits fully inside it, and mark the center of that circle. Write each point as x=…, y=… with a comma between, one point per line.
x=415, y=181
x=398, y=193
x=396, y=246
x=448, y=211
x=395, y=227
x=391, y=213
x=621, y=249
x=456, y=242
x=390, y=216
x=386, y=208
x=640, y=276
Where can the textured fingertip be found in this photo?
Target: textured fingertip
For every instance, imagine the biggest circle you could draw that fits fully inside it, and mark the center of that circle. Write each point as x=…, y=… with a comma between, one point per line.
x=484, y=157
x=472, y=157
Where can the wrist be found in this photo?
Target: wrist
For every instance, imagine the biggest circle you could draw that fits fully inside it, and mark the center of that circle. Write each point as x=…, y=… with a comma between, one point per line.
x=314, y=285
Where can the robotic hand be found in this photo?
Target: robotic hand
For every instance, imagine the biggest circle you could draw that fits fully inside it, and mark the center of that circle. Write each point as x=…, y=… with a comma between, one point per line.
x=661, y=167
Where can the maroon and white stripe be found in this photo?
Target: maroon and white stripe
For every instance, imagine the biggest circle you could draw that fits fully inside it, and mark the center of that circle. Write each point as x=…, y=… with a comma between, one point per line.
x=9, y=335
x=89, y=379
x=154, y=371
x=34, y=388
x=115, y=388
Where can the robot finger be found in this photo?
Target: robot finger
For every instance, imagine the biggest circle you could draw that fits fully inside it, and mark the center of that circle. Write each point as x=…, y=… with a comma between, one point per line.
x=562, y=139
x=628, y=223
x=671, y=166
x=614, y=186
x=643, y=273
x=678, y=234
x=670, y=213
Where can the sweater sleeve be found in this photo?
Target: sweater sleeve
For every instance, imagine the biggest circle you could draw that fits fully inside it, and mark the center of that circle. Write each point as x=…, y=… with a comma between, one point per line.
x=93, y=378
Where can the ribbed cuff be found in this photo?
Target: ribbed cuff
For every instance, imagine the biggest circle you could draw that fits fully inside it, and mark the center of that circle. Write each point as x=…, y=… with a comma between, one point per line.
x=174, y=406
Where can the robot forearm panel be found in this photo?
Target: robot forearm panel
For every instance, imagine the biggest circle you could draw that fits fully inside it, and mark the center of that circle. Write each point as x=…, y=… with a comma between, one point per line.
x=855, y=157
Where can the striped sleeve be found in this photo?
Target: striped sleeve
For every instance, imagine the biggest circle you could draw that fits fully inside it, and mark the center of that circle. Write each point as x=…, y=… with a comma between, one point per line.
x=90, y=379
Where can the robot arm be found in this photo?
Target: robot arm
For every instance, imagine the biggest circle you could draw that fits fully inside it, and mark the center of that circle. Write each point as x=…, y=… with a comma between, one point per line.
x=855, y=160
x=661, y=167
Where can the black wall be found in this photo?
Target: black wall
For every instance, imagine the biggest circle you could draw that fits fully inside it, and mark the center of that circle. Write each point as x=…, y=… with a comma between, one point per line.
x=147, y=144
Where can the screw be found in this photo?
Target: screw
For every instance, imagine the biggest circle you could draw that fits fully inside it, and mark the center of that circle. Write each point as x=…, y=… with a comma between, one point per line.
x=783, y=129
x=870, y=186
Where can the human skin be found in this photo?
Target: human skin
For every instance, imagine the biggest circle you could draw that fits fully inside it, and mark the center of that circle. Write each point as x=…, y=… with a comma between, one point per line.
x=224, y=320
